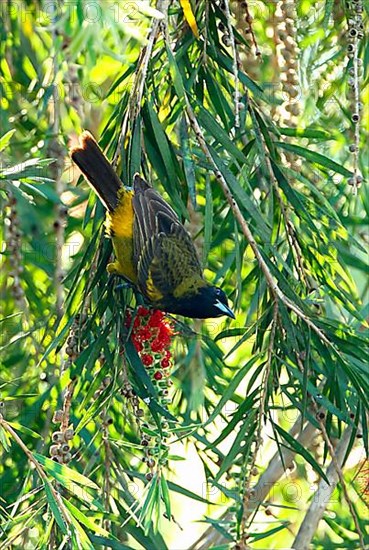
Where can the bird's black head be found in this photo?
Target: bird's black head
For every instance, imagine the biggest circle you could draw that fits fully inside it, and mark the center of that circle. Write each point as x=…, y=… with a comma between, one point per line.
x=209, y=301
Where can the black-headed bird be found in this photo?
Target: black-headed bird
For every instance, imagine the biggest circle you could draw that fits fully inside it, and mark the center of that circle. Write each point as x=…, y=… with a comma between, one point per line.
x=153, y=250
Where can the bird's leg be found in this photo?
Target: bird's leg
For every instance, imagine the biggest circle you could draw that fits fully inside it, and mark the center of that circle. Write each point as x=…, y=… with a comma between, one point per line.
x=125, y=285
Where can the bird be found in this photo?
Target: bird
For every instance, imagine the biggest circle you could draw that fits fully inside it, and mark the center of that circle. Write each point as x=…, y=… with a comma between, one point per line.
x=153, y=251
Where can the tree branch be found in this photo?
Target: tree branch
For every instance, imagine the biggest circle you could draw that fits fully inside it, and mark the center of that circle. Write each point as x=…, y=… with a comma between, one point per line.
x=322, y=496
x=140, y=78
x=267, y=480
x=272, y=283
x=235, y=67
x=335, y=462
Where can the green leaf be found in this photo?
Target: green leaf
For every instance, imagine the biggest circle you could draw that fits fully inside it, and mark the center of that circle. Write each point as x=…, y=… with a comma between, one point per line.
x=24, y=429
x=86, y=521
x=151, y=500
x=55, y=508
x=108, y=542
x=296, y=447
x=64, y=474
x=208, y=227
x=219, y=134
x=188, y=165
x=317, y=158
x=241, y=196
x=165, y=495
x=4, y=140
x=269, y=532
x=139, y=370
x=176, y=75
x=240, y=445
x=4, y=439
x=231, y=388
x=310, y=133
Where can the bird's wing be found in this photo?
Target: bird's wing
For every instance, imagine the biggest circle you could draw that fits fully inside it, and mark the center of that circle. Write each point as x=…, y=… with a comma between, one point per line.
x=166, y=259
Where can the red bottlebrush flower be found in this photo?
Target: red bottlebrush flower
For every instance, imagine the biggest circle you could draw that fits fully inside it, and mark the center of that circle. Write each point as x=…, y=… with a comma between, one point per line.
x=158, y=375
x=157, y=346
x=137, y=322
x=165, y=333
x=143, y=334
x=137, y=345
x=147, y=359
x=142, y=311
x=165, y=363
x=156, y=318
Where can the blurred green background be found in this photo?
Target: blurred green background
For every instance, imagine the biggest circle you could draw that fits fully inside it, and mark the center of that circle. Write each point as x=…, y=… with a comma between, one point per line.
x=143, y=78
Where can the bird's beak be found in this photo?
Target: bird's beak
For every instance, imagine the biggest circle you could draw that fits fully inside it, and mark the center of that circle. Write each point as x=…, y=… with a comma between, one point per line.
x=225, y=310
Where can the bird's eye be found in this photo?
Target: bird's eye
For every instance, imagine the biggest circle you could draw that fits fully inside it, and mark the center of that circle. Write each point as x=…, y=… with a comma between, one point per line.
x=217, y=291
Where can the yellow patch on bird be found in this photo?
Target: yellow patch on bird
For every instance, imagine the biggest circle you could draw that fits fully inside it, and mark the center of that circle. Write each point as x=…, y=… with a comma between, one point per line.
x=152, y=292
x=120, y=222
x=119, y=225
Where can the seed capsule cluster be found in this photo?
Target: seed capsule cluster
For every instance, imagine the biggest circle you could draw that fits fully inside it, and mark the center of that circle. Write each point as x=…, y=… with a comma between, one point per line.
x=14, y=249
x=243, y=24
x=355, y=33
x=72, y=347
x=144, y=432
x=287, y=54
x=106, y=419
x=60, y=450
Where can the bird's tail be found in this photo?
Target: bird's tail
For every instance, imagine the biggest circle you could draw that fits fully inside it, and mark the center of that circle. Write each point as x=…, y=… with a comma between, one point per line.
x=97, y=169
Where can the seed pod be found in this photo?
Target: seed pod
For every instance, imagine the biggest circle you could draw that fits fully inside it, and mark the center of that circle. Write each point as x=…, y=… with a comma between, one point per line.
x=54, y=450
x=226, y=40
x=57, y=437
x=68, y=434
x=58, y=416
